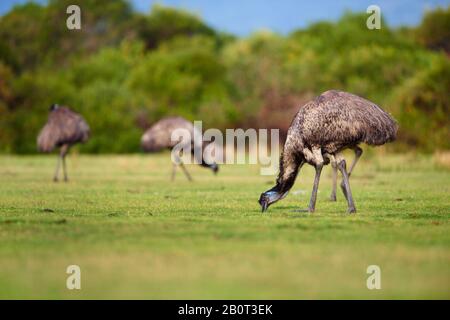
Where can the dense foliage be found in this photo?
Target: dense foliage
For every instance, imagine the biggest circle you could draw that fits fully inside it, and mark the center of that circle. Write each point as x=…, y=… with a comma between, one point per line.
x=124, y=70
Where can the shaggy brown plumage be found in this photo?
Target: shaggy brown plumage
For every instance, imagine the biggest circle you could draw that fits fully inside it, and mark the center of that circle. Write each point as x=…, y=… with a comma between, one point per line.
x=63, y=129
x=322, y=128
x=158, y=137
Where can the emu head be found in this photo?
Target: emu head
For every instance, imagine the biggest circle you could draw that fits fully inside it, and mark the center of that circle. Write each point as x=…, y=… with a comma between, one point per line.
x=269, y=197
x=53, y=107
x=214, y=167
x=210, y=164
x=208, y=159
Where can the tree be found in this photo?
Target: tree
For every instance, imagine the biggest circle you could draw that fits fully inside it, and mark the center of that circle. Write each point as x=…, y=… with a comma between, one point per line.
x=103, y=23
x=422, y=106
x=6, y=99
x=21, y=41
x=165, y=23
x=434, y=31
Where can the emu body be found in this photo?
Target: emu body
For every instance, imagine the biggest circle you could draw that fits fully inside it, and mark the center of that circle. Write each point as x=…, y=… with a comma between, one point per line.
x=63, y=129
x=159, y=137
x=320, y=131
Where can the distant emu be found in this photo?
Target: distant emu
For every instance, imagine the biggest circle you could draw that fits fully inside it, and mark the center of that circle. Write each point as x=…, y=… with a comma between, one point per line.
x=320, y=131
x=63, y=129
x=158, y=137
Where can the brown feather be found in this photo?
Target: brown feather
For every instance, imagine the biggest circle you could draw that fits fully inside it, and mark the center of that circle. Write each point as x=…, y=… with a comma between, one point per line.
x=158, y=136
x=63, y=127
x=332, y=122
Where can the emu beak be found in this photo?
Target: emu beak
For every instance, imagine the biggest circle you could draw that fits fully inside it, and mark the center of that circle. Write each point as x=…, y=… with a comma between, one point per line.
x=264, y=206
x=264, y=202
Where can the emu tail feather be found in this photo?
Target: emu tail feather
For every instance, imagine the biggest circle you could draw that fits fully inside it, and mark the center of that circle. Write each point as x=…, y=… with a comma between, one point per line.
x=46, y=140
x=382, y=129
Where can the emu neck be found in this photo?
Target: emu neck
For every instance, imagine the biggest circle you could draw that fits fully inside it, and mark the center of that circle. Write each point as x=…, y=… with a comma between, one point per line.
x=198, y=157
x=289, y=167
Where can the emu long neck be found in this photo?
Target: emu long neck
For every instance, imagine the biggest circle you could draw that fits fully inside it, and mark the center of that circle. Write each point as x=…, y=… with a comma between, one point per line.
x=198, y=156
x=289, y=167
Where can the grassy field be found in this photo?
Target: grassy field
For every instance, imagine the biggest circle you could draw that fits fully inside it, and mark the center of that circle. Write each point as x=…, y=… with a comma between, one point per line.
x=135, y=234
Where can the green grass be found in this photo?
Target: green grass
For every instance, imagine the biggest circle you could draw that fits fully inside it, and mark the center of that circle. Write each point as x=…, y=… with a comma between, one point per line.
x=137, y=235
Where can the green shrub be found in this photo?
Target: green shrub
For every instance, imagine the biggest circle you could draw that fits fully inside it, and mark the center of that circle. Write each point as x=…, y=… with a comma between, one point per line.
x=434, y=31
x=422, y=107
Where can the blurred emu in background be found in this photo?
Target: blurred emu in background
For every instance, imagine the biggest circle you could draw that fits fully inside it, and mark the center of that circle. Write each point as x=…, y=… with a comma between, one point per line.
x=63, y=129
x=159, y=136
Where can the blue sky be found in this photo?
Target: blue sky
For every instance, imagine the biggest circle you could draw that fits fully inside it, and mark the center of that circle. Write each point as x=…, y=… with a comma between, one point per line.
x=242, y=17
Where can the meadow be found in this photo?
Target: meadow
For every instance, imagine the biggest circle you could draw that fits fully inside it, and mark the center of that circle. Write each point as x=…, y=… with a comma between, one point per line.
x=136, y=234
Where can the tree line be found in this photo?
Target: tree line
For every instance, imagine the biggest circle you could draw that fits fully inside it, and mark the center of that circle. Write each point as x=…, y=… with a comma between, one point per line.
x=124, y=70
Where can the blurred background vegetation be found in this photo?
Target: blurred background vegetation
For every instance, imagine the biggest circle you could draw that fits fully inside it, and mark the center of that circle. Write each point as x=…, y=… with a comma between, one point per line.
x=124, y=70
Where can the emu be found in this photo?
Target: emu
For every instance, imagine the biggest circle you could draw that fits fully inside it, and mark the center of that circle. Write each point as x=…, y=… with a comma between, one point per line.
x=320, y=131
x=158, y=137
x=63, y=129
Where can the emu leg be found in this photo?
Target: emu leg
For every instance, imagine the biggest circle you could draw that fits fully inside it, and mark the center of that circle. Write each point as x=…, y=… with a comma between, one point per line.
x=174, y=171
x=64, y=150
x=334, y=180
x=180, y=163
x=55, y=177
x=188, y=176
x=358, y=153
x=312, y=201
x=343, y=168
x=64, y=169
x=315, y=157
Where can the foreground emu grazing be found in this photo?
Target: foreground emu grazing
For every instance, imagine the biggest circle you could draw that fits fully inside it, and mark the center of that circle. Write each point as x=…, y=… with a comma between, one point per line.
x=63, y=129
x=158, y=137
x=331, y=123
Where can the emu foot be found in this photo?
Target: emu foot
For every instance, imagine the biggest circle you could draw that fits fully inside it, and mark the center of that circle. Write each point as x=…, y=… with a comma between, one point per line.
x=351, y=210
x=333, y=197
x=55, y=179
